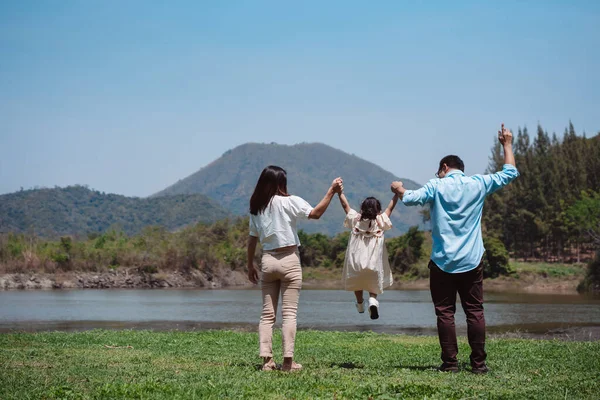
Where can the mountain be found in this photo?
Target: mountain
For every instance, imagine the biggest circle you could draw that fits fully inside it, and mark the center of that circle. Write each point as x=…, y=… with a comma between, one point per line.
x=76, y=210
x=311, y=167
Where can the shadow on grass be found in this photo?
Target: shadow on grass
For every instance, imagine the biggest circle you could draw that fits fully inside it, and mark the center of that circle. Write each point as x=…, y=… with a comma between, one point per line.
x=346, y=365
x=462, y=366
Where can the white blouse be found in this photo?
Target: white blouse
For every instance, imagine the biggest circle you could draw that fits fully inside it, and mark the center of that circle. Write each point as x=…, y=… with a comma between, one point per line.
x=276, y=225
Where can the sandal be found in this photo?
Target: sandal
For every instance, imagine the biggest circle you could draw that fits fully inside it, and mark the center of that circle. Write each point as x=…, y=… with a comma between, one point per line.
x=292, y=368
x=269, y=366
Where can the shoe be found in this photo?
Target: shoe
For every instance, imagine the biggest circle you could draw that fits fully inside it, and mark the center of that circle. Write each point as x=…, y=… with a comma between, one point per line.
x=448, y=368
x=269, y=366
x=373, y=308
x=292, y=368
x=480, y=370
x=360, y=307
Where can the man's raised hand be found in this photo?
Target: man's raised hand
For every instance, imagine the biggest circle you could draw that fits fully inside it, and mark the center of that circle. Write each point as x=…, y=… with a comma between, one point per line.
x=505, y=136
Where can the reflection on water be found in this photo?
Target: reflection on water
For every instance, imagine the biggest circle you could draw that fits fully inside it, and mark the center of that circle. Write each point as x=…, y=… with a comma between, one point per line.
x=401, y=311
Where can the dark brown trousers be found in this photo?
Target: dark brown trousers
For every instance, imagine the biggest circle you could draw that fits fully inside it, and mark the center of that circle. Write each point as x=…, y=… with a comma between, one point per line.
x=469, y=286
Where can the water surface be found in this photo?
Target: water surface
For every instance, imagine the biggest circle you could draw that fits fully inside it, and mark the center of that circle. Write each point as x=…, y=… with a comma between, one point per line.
x=400, y=311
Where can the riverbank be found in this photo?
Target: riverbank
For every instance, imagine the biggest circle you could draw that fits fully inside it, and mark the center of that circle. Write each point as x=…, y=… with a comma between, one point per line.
x=526, y=277
x=124, y=278
x=224, y=364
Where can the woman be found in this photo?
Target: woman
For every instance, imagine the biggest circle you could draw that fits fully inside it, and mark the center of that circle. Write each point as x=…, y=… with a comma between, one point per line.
x=273, y=216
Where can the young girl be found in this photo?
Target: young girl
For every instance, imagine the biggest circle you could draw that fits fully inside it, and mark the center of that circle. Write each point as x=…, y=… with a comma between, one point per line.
x=366, y=266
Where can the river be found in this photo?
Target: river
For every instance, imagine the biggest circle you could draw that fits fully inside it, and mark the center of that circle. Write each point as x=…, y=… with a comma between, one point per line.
x=401, y=311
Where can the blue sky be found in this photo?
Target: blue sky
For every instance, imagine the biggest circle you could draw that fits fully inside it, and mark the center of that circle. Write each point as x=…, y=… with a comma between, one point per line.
x=130, y=96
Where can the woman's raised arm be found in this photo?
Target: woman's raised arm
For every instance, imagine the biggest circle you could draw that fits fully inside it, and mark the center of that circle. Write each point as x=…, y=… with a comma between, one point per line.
x=336, y=187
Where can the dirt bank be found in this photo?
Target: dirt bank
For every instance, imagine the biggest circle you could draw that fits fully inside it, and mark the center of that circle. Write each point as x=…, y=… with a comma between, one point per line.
x=134, y=278
x=124, y=278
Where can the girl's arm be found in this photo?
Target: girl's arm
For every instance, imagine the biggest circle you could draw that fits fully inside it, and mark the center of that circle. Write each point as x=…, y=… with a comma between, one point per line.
x=344, y=202
x=336, y=187
x=252, y=273
x=391, y=206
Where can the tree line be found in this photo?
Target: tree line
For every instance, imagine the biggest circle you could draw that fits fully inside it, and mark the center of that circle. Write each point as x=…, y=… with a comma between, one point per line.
x=206, y=247
x=212, y=249
x=551, y=211
x=77, y=210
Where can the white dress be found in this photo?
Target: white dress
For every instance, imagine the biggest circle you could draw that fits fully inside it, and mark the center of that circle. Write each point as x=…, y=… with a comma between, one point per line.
x=367, y=266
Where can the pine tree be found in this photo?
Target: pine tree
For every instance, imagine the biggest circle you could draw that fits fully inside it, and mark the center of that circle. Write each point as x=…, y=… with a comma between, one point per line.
x=529, y=215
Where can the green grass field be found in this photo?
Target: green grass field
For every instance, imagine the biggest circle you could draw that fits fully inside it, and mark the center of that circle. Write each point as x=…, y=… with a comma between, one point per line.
x=224, y=364
x=549, y=269
x=523, y=273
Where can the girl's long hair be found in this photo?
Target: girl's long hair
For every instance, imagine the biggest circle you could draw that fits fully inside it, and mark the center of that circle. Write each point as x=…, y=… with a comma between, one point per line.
x=370, y=208
x=272, y=181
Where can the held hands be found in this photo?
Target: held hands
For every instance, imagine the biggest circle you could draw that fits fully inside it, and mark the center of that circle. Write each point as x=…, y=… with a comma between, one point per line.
x=337, y=185
x=505, y=136
x=252, y=274
x=397, y=187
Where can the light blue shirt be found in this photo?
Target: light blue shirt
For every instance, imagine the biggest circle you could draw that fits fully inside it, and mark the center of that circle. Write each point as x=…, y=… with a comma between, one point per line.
x=456, y=203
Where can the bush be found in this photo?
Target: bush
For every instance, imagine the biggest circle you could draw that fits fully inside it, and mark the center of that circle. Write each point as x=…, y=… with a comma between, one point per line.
x=404, y=251
x=14, y=247
x=149, y=269
x=591, y=282
x=495, y=259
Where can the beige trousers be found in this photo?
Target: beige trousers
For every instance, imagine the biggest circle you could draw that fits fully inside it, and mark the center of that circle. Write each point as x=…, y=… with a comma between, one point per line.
x=281, y=272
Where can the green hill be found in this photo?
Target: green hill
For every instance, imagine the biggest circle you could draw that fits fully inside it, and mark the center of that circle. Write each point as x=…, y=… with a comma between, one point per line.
x=76, y=210
x=311, y=167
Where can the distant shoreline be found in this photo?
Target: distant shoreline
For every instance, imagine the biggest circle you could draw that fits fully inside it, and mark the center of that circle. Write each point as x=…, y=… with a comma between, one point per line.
x=555, y=286
x=134, y=278
x=122, y=278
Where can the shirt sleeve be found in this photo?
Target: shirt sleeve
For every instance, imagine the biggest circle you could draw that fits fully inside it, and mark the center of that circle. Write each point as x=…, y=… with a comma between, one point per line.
x=384, y=222
x=350, y=219
x=252, y=225
x=498, y=180
x=299, y=207
x=420, y=196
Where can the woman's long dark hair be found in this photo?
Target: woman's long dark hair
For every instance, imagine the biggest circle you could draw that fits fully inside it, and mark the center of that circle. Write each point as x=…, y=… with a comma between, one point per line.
x=370, y=208
x=272, y=181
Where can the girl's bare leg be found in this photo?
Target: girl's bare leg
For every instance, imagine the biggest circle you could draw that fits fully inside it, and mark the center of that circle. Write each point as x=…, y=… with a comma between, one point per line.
x=359, y=296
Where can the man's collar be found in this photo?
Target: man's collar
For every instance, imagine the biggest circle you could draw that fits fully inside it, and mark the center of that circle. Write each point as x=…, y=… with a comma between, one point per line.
x=454, y=172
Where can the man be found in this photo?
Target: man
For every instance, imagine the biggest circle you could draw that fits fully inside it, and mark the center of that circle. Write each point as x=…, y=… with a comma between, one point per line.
x=456, y=203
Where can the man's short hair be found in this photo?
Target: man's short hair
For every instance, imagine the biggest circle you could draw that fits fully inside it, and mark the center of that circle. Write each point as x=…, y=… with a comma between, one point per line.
x=452, y=162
